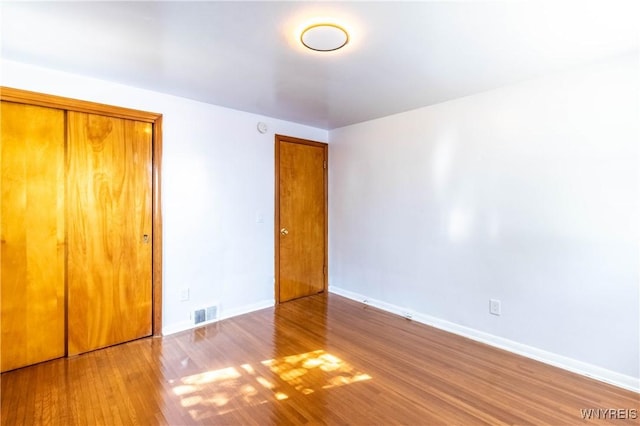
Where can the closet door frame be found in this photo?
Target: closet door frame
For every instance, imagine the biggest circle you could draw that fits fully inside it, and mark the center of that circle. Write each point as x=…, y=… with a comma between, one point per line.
x=68, y=104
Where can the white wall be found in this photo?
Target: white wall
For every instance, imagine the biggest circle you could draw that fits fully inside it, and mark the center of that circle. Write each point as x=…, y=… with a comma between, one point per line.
x=528, y=194
x=217, y=177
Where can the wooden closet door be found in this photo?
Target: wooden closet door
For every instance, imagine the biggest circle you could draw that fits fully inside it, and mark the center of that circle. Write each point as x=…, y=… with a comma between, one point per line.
x=32, y=228
x=109, y=213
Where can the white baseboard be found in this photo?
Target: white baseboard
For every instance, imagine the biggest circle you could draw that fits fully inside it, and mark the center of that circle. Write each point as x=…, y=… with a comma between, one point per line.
x=566, y=363
x=224, y=314
x=228, y=313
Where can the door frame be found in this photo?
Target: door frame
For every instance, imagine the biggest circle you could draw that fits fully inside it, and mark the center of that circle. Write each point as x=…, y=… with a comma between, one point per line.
x=9, y=94
x=325, y=147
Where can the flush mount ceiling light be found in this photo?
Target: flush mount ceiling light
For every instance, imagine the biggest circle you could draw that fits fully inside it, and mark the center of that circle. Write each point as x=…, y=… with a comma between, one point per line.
x=324, y=37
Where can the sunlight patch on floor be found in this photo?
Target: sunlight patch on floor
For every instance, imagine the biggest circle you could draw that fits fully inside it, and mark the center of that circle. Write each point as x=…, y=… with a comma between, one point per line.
x=221, y=391
x=315, y=370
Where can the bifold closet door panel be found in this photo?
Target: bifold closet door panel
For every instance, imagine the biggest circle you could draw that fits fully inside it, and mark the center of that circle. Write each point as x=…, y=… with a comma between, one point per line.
x=109, y=223
x=32, y=227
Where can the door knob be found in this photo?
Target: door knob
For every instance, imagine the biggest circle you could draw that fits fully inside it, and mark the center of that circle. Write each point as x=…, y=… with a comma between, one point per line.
x=284, y=231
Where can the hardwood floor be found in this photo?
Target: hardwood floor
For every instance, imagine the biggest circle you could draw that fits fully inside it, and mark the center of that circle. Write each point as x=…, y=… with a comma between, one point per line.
x=318, y=360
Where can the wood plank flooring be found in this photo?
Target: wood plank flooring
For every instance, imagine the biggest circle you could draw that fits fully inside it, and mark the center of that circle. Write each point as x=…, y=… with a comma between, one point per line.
x=317, y=360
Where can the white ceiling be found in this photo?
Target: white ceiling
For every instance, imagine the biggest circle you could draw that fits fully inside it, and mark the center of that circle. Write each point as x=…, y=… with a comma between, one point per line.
x=246, y=55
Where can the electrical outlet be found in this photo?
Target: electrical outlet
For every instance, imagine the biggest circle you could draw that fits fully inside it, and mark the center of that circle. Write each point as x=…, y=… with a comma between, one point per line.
x=494, y=307
x=184, y=294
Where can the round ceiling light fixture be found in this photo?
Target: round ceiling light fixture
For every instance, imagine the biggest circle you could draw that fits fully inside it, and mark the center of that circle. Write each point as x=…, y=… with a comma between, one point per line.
x=324, y=37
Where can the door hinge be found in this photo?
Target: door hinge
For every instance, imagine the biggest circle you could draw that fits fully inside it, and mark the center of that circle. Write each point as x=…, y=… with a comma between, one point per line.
x=324, y=165
x=324, y=270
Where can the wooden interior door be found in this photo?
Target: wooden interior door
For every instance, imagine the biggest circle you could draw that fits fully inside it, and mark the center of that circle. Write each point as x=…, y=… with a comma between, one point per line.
x=109, y=225
x=32, y=227
x=301, y=218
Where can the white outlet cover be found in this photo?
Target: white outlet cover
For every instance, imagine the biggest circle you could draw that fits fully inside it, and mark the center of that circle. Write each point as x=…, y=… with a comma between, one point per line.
x=494, y=307
x=184, y=295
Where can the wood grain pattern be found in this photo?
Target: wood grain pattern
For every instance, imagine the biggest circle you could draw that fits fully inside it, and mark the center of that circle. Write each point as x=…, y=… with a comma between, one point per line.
x=59, y=102
x=317, y=360
x=301, y=210
x=157, y=226
x=32, y=227
x=40, y=99
x=109, y=205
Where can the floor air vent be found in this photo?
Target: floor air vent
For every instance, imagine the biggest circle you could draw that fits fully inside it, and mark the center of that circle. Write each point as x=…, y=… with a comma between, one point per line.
x=199, y=316
x=212, y=313
x=207, y=314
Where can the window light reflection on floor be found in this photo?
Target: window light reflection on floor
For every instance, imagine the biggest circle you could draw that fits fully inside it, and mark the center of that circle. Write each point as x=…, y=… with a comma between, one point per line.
x=311, y=371
x=220, y=391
